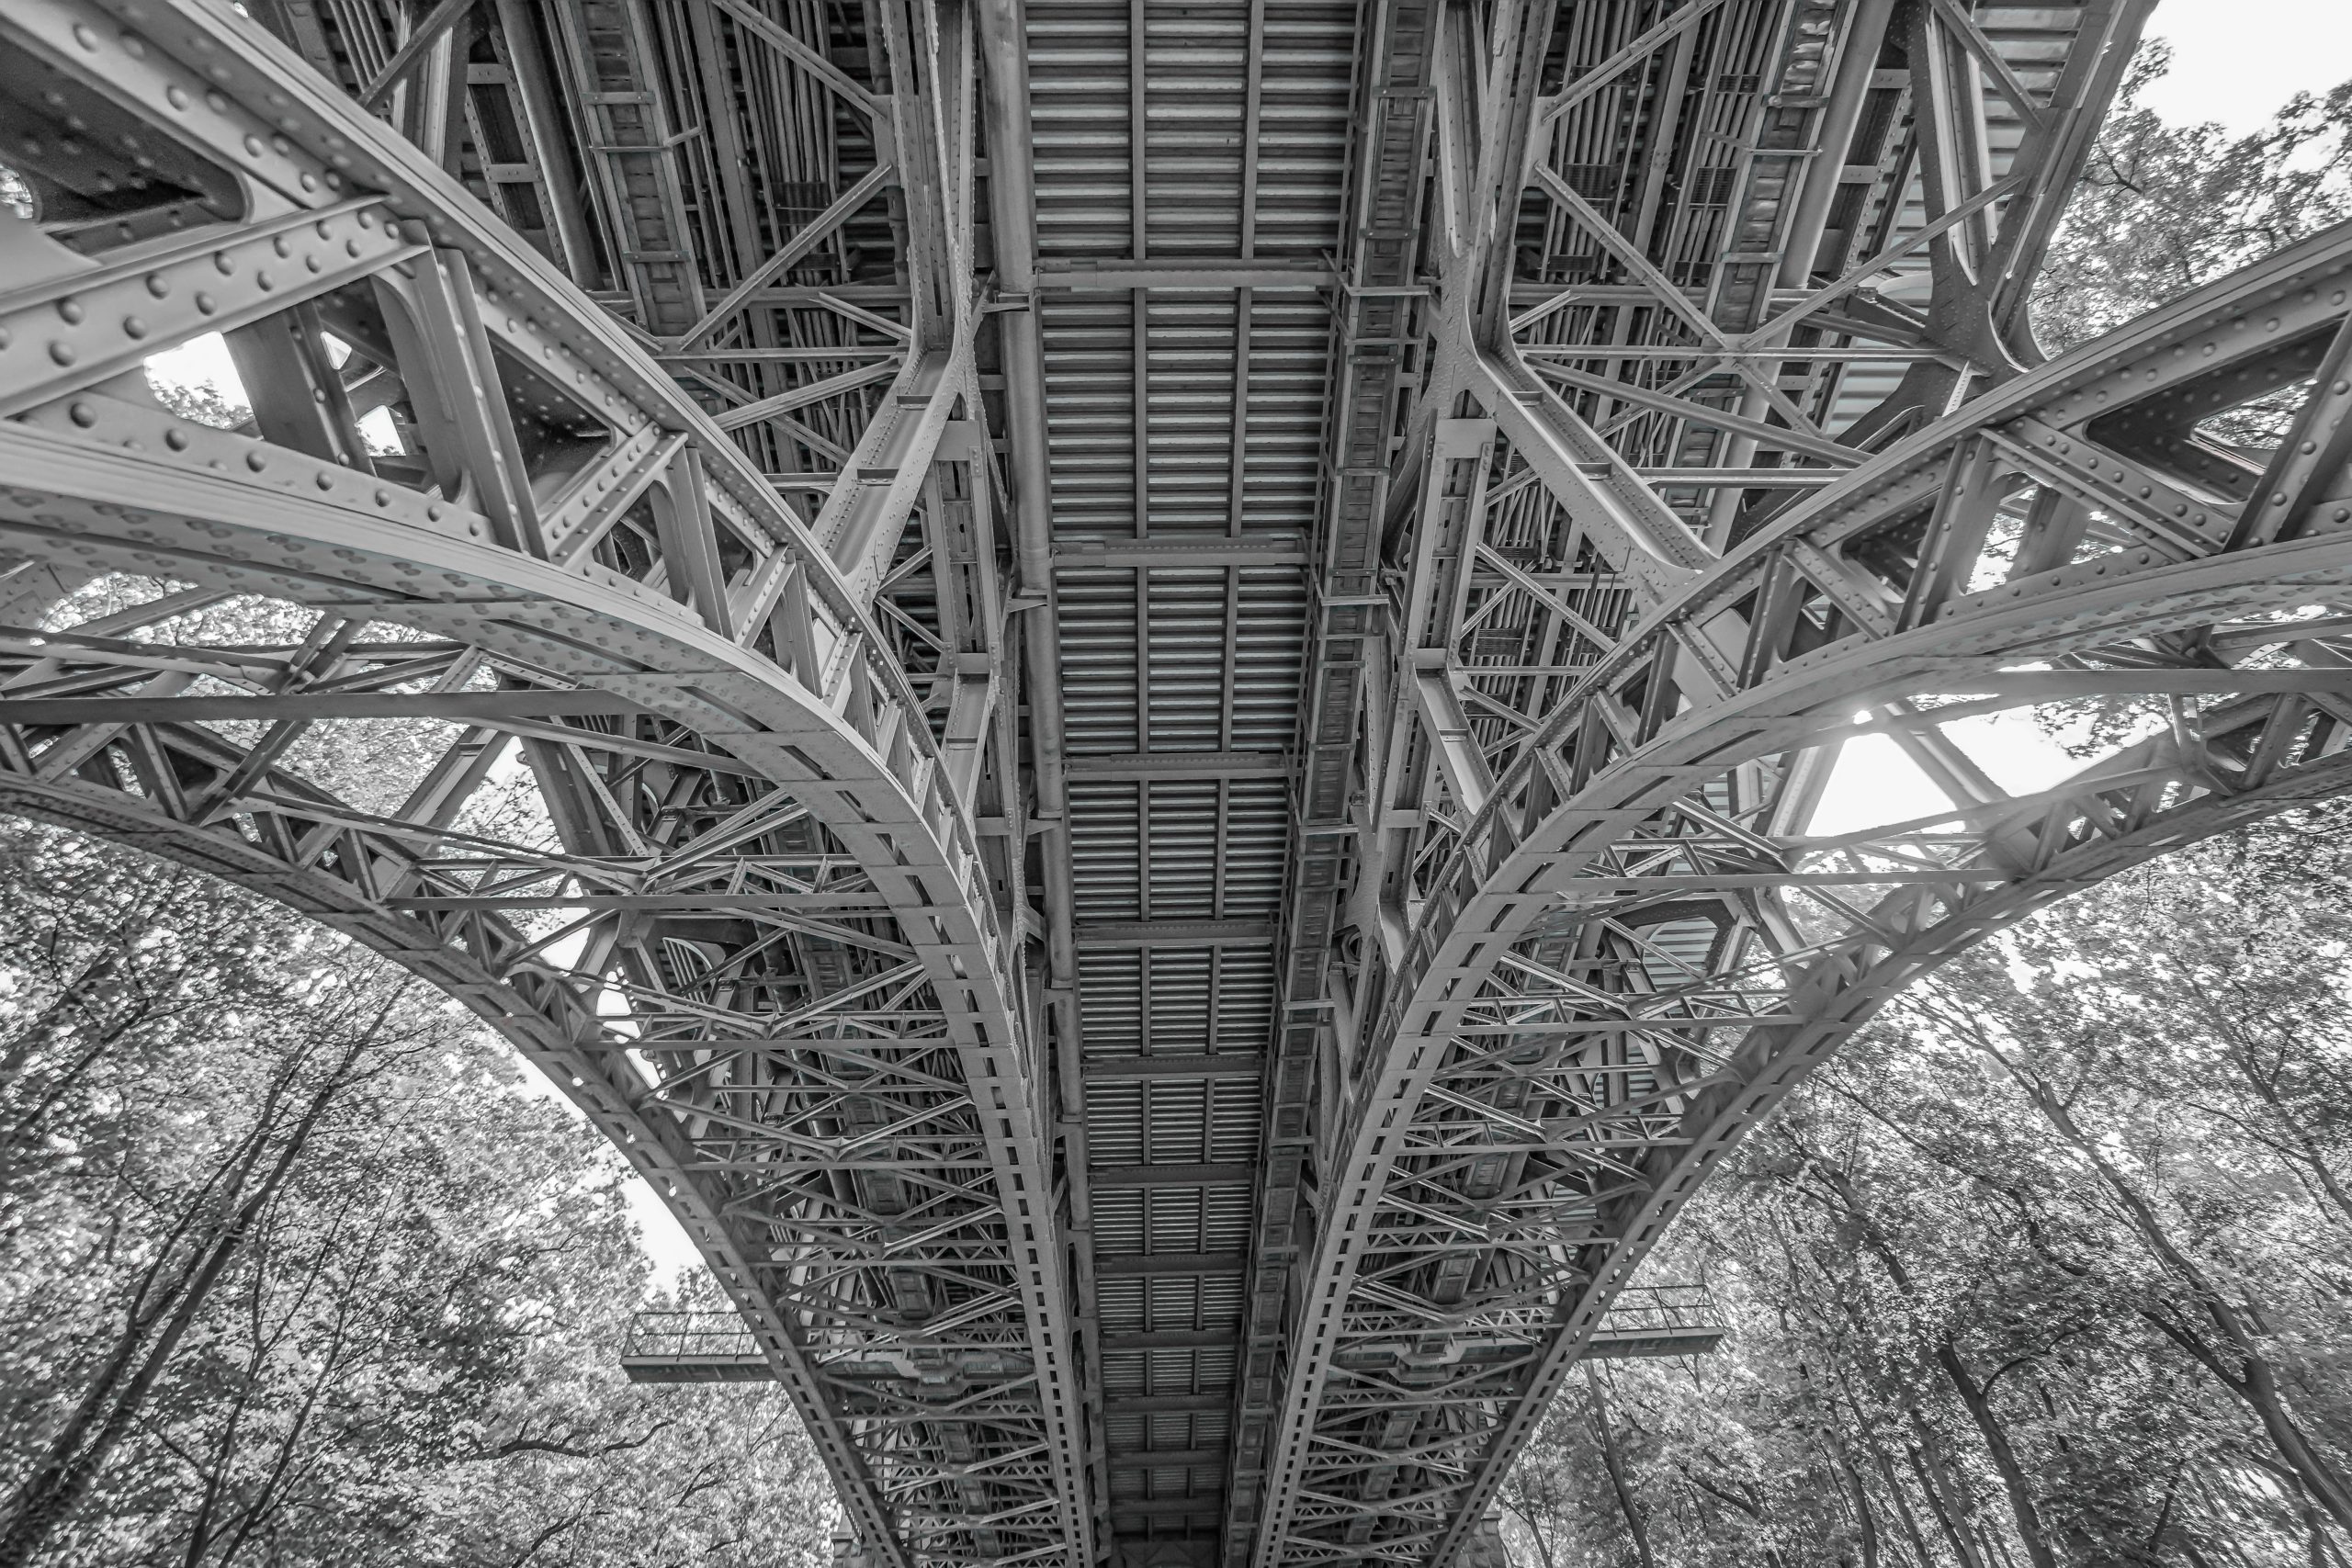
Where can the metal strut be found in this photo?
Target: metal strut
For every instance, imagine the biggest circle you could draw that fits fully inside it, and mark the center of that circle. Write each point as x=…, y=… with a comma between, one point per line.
x=1138, y=693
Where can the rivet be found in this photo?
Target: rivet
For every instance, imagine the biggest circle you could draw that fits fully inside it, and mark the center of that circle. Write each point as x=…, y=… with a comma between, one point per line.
x=85, y=36
x=83, y=415
x=252, y=146
x=175, y=96
x=133, y=327
x=71, y=311
x=384, y=497
x=62, y=352
x=263, y=281
x=326, y=479
x=216, y=103
x=282, y=245
x=176, y=440
x=204, y=303
x=223, y=263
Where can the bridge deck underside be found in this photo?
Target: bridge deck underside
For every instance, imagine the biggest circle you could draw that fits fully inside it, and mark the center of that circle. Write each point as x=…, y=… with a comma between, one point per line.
x=1461, y=469
x=1207, y=143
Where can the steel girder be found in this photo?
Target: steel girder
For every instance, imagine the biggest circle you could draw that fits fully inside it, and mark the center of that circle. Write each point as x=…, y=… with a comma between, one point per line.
x=759, y=910
x=1680, y=504
x=1423, y=890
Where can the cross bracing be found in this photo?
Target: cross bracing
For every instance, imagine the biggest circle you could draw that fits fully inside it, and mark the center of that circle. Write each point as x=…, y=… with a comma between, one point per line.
x=1135, y=691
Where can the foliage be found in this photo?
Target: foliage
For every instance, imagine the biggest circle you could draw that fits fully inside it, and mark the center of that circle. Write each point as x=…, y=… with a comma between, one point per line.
x=407, y=1351
x=2164, y=209
x=2049, y=1267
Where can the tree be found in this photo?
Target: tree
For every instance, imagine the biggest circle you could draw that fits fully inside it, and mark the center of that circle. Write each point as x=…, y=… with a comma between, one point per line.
x=2048, y=1267
x=296, y=1266
x=2165, y=208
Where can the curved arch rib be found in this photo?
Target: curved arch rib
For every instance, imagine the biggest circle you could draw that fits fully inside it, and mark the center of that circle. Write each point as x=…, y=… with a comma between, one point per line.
x=1625, y=946
x=794, y=1002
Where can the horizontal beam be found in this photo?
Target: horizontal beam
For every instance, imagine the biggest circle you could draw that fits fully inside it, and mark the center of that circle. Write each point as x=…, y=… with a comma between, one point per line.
x=1746, y=479
x=1208, y=275
x=1153, y=1459
x=1140, y=1265
x=1105, y=1178
x=1153, y=1404
x=698, y=1369
x=1168, y=1507
x=2055, y=684
x=1265, y=549
x=1177, y=933
x=473, y=707
x=1145, y=766
x=1172, y=1339
x=827, y=354
x=1229, y=1064
x=1765, y=881
x=669, y=903
x=1682, y=351
x=1630, y=1344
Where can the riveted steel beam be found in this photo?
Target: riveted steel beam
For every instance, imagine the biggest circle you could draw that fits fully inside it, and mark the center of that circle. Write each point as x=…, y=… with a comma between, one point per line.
x=1653, y=468
x=714, y=700
x=1629, y=403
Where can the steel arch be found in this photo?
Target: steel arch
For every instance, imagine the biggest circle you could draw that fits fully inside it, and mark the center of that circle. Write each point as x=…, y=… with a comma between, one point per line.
x=1423, y=813
x=866, y=1170
x=1632, y=951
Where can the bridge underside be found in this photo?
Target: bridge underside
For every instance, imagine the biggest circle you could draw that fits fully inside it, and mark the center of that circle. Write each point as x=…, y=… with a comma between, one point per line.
x=1137, y=692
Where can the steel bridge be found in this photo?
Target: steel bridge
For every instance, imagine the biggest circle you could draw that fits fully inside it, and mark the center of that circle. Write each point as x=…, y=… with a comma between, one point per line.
x=1135, y=689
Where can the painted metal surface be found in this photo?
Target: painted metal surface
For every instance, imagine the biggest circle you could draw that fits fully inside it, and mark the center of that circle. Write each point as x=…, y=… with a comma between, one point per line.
x=1134, y=689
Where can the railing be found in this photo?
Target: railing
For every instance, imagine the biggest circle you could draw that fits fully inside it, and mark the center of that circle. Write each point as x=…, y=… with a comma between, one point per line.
x=1657, y=1320
x=692, y=1347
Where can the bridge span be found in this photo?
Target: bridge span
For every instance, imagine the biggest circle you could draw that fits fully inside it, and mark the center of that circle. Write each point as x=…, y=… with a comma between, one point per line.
x=1135, y=690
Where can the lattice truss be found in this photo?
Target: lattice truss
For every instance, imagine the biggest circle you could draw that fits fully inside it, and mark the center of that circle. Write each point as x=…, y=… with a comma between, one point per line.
x=613, y=611
x=1719, y=439
x=602, y=613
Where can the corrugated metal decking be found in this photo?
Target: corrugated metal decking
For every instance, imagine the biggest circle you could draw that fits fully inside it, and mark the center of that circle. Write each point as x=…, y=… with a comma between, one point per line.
x=1173, y=660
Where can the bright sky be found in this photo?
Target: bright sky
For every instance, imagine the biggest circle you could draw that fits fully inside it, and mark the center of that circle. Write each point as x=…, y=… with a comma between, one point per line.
x=2238, y=60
